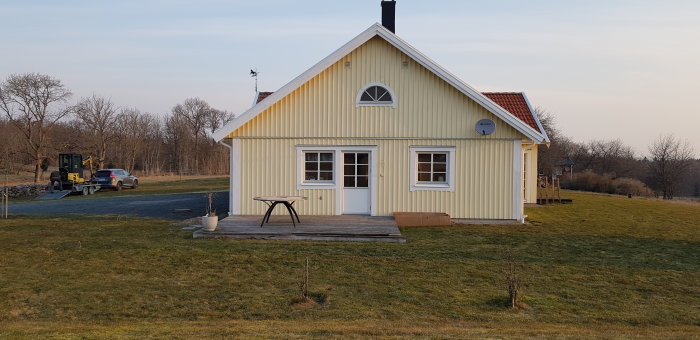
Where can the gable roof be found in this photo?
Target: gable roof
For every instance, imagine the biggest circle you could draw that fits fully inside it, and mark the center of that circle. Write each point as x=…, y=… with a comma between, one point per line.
x=517, y=104
x=380, y=31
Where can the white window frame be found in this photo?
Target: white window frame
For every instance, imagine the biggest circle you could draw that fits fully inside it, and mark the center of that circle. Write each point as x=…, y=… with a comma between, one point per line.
x=302, y=183
x=418, y=186
x=358, y=103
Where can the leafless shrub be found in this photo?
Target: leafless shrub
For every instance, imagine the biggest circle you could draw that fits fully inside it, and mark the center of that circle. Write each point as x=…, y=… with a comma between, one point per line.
x=513, y=282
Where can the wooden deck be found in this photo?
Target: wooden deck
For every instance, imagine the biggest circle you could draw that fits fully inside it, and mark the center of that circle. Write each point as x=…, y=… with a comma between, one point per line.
x=346, y=228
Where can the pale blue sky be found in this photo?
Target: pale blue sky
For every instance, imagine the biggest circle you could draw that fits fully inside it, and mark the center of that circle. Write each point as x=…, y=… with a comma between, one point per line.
x=607, y=69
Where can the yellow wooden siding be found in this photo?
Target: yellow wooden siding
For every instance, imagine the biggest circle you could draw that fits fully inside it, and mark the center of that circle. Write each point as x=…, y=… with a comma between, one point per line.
x=531, y=171
x=483, y=177
x=427, y=106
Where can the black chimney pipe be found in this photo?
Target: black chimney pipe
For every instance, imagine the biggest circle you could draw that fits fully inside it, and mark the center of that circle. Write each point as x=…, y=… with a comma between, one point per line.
x=389, y=15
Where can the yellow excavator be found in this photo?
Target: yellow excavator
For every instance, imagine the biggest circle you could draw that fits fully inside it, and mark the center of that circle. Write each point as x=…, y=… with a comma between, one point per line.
x=70, y=177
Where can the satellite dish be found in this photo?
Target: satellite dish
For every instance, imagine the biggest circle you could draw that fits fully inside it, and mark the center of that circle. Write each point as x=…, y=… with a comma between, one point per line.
x=485, y=126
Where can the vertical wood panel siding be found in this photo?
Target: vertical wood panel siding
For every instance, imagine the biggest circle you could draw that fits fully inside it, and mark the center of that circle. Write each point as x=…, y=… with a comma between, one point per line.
x=427, y=107
x=429, y=112
x=483, y=178
x=532, y=175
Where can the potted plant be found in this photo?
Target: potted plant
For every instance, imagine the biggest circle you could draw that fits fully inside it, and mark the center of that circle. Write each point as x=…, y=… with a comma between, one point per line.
x=210, y=220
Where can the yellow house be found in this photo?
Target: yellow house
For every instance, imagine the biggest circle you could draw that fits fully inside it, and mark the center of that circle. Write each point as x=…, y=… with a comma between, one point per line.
x=377, y=127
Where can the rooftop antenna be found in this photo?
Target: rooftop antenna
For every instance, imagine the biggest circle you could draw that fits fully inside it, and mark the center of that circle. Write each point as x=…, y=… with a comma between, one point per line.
x=254, y=74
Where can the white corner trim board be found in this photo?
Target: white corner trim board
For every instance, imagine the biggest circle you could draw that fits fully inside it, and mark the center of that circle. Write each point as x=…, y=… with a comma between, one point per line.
x=517, y=180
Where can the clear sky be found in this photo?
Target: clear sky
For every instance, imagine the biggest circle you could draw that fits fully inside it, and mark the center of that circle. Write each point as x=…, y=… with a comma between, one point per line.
x=606, y=69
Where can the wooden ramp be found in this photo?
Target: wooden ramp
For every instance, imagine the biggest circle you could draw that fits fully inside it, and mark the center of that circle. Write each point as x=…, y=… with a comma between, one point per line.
x=344, y=228
x=54, y=195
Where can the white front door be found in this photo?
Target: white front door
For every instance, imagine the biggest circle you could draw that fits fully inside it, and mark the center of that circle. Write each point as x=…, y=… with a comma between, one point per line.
x=356, y=175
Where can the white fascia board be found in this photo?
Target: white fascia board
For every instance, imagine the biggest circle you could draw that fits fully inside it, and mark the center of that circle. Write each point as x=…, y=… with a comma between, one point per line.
x=460, y=85
x=378, y=29
x=537, y=119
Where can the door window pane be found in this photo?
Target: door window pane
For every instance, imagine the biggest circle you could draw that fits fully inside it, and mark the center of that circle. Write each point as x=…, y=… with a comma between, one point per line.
x=349, y=181
x=363, y=170
x=362, y=158
x=349, y=169
x=356, y=169
x=362, y=181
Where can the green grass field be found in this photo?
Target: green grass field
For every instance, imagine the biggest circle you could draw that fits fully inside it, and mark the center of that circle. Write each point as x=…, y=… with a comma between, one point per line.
x=603, y=267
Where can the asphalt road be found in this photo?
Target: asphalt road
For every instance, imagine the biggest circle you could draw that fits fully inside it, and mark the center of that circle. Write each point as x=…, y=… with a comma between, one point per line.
x=170, y=206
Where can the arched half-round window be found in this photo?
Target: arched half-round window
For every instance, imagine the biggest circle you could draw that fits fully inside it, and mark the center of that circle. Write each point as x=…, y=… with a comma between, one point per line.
x=376, y=94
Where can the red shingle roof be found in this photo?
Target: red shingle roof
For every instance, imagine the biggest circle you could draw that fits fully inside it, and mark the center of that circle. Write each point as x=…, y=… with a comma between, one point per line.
x=262, y=95
x=515, y=103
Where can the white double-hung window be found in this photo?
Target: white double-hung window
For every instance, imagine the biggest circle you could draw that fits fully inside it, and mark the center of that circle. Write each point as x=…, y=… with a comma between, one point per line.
x=432, y=168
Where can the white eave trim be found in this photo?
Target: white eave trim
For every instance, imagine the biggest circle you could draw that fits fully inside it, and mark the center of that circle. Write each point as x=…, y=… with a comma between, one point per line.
x=537, y=119
x=378, y=30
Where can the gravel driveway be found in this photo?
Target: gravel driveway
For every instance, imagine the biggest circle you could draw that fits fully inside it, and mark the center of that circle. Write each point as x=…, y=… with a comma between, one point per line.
x=169, y=206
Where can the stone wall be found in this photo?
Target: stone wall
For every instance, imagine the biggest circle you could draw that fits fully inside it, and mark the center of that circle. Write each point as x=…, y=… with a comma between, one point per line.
x=26, y=190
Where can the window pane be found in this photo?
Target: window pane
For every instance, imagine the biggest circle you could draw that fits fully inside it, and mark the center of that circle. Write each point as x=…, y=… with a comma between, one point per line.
x=439, y=177
x=440, y=167
x=311, y=166
x=311, y=176
x=384, y=97
x=328, y=166
x=439, y=157
x=311, y=156
x=424, y=167
x=424, y=176
x=366, y=97
x=349, y=158
x=362, y=181
x=350, y=169
x=326, y=175
x=326, y=157
x=349, y=181
x=362, y=158
x=424, y=157
x=363, y=170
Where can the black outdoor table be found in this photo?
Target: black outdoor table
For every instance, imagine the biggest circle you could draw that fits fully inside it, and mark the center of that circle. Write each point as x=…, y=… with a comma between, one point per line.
x=288, y=202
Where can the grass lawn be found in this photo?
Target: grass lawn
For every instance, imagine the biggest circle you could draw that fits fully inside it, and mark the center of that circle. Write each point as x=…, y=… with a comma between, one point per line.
x=603, y=267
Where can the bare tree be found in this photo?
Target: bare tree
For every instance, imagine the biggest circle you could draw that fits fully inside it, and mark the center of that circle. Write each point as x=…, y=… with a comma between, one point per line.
x=32, y=102
x=100, y=116
x=671, y=160
x=549, y=157
x=135, y=126
x=196, y=114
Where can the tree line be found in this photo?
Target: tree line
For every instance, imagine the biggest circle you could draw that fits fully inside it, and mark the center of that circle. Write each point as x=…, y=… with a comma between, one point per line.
x=38, y=121
x=669, y=170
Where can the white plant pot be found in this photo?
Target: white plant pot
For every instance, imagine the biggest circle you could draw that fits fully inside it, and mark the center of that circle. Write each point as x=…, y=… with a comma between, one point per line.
x=209, y=222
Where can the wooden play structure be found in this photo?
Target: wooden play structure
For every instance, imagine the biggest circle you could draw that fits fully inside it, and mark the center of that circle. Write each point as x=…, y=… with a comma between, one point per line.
x=549, y=190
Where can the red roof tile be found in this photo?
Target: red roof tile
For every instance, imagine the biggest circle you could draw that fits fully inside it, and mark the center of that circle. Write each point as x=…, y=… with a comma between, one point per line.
x=515, y=103
x=262, y=95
